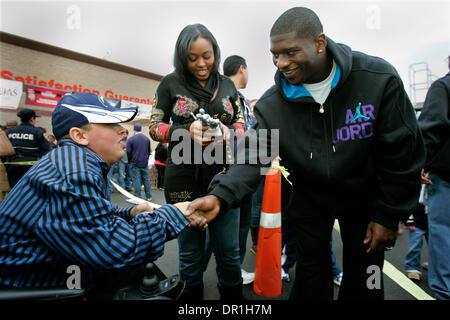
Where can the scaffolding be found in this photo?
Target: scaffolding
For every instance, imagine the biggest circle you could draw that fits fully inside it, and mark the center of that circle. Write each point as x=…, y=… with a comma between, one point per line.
x=420, y=79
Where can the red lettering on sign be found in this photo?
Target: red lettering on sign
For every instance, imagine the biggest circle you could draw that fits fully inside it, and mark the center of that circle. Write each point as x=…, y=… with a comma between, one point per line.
x=32, y=79
x=7, y=75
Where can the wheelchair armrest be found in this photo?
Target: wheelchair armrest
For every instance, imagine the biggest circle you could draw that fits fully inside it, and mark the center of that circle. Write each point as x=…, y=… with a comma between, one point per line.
x=41, y=294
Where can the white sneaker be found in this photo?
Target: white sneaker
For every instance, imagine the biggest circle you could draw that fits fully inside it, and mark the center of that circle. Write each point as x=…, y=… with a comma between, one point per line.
x=285, y=276
x=338, y=279
x=283, y=255
x=247, y=277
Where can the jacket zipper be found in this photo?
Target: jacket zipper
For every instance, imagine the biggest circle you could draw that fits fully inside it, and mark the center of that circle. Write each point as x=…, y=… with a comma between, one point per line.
x=321, y=110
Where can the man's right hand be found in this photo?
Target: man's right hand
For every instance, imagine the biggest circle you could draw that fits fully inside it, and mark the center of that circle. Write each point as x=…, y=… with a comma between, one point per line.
x=209, y=205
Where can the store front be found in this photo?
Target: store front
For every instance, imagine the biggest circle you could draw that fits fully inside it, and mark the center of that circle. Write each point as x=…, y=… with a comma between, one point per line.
x=48, y=72
x=36, y=75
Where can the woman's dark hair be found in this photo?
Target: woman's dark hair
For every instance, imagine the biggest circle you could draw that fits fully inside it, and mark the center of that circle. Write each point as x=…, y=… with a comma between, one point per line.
x=188, y=35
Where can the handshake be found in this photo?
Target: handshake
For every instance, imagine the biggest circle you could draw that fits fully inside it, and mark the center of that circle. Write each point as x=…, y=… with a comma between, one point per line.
x=197, y=218
x=201, y=210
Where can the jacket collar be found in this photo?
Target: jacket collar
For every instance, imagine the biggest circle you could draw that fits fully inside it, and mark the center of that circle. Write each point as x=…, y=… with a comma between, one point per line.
x=341, y=53
x=104, y=167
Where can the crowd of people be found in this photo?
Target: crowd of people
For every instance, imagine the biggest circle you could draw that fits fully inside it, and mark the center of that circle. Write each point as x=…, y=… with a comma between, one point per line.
x=345, y=130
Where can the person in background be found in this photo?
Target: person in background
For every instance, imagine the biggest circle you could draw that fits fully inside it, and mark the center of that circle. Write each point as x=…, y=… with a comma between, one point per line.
x=120, y=171
x=51, y=138
x=138, y=151
x=257, y=197
x=434, y=121
x=337, y=272
x=124, y=174
x=10, y=124
x=29, y=143
x=235, y=67
x=6, y=148
x=160, y=162
x=417, y=225
x=196, y=84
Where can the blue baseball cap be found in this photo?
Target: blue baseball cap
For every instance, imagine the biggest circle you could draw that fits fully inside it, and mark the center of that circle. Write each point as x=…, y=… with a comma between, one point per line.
x=137, y=126
x=79, y=109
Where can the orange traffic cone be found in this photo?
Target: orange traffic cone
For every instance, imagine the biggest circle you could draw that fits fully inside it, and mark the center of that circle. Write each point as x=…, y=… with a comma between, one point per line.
x=267, y=281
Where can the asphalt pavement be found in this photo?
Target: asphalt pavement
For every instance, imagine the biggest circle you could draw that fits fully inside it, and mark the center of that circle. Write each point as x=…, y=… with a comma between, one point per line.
x=397, y=286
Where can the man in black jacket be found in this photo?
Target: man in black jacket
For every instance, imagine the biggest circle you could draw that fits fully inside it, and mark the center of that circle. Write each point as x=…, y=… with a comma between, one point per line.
x=349, y=133
x=435, y=124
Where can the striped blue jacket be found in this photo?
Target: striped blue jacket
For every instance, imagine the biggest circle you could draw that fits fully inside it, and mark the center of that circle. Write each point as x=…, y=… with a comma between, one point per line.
x=60, y=214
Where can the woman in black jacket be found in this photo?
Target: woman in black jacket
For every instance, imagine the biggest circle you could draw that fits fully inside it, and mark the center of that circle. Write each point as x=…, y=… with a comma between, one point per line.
x=194, y=85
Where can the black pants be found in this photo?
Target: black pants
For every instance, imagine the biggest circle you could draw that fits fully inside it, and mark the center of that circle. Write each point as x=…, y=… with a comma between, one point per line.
x=110, y=281
x=161, y=172
x=313, y=278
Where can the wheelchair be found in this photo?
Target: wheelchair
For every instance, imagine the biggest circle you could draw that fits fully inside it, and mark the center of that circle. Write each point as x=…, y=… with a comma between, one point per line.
x=153, y=286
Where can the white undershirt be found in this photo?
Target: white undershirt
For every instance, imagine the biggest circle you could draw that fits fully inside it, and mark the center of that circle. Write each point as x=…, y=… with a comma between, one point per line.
x=321, y=90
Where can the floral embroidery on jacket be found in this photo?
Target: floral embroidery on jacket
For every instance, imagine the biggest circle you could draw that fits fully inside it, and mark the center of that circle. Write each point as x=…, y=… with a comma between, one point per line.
x=225, y=118
x=158, y=129
x=227, y=105
x=184, y=106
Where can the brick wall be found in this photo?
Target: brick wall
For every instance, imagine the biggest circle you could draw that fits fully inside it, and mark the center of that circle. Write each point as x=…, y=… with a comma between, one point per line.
x=25, y=62
x=42, y=66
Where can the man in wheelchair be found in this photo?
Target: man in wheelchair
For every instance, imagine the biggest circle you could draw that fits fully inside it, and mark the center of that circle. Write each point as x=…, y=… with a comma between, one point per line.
x=59, y=231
